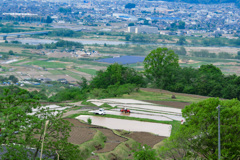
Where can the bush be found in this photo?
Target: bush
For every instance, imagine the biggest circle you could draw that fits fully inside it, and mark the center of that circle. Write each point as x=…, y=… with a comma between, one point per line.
x=89, y=120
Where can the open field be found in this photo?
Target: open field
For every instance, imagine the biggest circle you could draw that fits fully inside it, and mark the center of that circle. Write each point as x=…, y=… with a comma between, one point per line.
x=129, y=125
x=83, y=134
x=47, y=64
x=88, y=71
x=162, y=95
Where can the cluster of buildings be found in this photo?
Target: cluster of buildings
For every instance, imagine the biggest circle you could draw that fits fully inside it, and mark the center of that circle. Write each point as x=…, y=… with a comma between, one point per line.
x=147, y=16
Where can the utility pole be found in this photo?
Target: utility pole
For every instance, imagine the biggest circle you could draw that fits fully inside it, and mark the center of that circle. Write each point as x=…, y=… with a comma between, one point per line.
x=45, y=128
x=219, y=142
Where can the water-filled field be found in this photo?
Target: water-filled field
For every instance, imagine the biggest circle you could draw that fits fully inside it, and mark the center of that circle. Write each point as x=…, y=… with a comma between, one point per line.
x=123, y=59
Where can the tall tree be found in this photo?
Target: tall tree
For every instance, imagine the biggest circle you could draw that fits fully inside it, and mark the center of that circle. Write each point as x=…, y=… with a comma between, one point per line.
x=160, y=65
x=117, y=74
x=49, y=19
x=198, y=136
x=23, y=128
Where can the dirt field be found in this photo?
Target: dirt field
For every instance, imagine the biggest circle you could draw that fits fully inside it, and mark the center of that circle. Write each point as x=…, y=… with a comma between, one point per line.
x=146, y=138
x=231, y=50
x=82, y=132
x=112, y=142
x=180, y=105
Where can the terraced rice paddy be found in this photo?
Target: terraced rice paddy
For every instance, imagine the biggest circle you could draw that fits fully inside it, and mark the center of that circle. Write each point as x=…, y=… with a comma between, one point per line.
x=141, y=109
x=129, y=125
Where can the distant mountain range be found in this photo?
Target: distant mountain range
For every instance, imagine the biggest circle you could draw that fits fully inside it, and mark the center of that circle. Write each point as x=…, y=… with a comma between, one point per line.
x=237, y=2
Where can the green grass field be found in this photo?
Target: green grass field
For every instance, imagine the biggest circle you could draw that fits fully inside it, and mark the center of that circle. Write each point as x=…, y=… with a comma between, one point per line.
x=88, y=71
x=66, y=72
x=47, y=64
x=143, y=95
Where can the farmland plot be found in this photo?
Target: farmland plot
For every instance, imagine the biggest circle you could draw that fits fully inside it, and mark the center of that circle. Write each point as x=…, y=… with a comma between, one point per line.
x=140, y=109
x=129, y=125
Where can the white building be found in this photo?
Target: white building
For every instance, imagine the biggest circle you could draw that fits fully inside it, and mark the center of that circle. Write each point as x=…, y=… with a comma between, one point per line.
x=142, y=29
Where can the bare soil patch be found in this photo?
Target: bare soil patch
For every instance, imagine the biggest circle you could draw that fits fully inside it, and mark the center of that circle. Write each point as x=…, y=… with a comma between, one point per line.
x=82, y=132
x=146, y=138
x=79, y=135
x=174, y=104
x=231, y=50
x=112, y=142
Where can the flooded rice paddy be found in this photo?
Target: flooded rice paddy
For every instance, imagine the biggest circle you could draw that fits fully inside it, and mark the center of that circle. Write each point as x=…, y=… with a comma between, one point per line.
x=130, y=125
x=140, y=109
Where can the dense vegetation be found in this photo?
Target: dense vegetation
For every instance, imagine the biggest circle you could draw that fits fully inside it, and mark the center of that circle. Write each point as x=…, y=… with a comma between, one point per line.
x=198, y=136
x=162, y=67
x=23, y=131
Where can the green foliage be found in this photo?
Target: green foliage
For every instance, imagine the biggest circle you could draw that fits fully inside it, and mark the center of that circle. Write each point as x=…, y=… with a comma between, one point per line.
x=113, y=90
x=162, y=70
x=213, y=42
x=49, y=19
x=160, y=65
x=130, y=5
x=178, y=25
x=89, y=120
x=181, y=51
x=198, y=136
x=85, y=102
x=127, y=37
x=65, y=10
x=224, y=55
x=10, y=52
x=182, y=41
x=65, y=44
x=204, y=53
x=65, y=33
x=75, y=94
x=131, y=24
x=23, y=129
x=13, y=78
x=145, y=38
x=47, y=64
x=88, y=147
x=116, y=74
x=106, y=106
x=144, y=152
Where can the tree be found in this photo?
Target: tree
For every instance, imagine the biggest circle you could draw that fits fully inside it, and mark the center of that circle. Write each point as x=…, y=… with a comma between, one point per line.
x=40, y=46
x=131, y=24
x=24, y=129
x=159, y=66
x=49, y=19
x=130, y=5
x=116, y=74
x=200, y=130
x=181, y=51
x=146, y=22
x=10, y=52
x=224, y=55
x=238, y=55
x=181, y=25
x=127, y=37
x=13, y=78
x=181, y=41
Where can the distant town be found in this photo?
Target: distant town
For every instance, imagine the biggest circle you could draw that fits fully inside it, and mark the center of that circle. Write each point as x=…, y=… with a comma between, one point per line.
x=167, y=18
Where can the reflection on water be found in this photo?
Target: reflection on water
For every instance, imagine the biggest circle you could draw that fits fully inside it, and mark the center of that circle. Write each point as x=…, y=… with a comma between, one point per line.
x=155, y=117
x=130, y=125
x=36, y=41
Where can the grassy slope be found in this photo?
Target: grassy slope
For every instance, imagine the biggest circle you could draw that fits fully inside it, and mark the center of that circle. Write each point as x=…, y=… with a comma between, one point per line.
x=144, y=95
